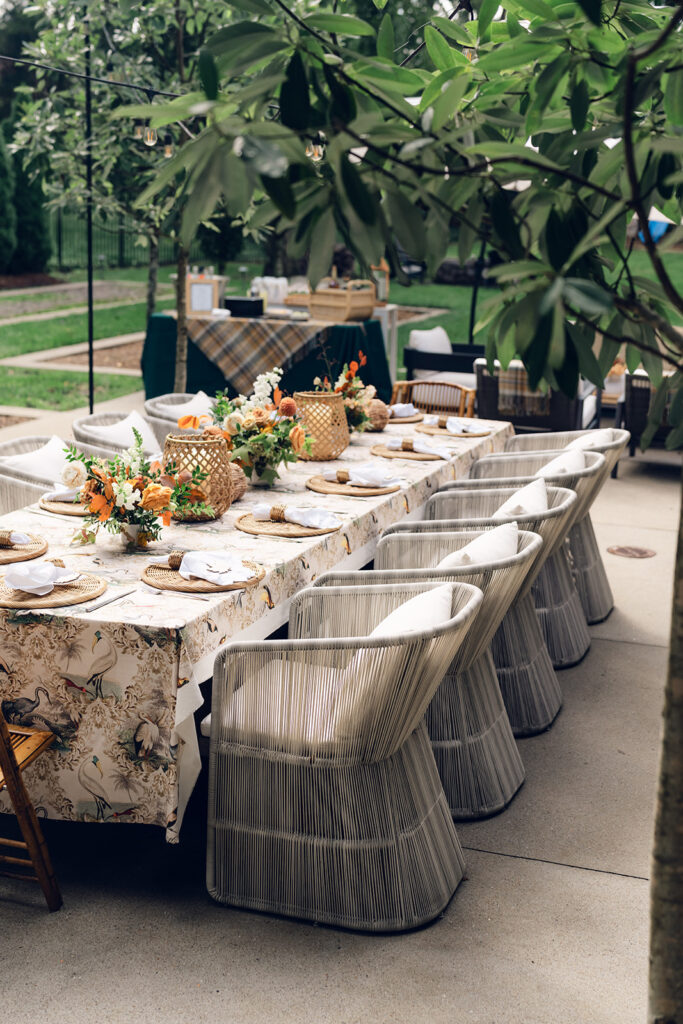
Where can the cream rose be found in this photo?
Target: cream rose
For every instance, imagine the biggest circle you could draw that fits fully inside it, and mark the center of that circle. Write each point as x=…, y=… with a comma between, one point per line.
x=74, y=475
x=233, y=422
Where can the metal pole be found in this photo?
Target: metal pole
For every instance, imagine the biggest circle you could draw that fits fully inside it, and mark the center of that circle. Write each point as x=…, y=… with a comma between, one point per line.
x=88, y=180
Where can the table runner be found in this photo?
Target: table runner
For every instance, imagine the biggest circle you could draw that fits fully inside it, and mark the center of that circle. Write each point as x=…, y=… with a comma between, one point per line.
x=119, y=685
x=244, y=348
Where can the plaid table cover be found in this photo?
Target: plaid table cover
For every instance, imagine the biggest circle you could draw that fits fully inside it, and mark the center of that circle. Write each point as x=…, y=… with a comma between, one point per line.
x=515, y=397
x=244, y=348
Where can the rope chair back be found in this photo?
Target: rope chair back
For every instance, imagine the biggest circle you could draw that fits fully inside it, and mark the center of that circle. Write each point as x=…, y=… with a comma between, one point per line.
x=522, y=467
x=435, y=396
x=333, y=692
x=162, y=421
x=557, y=440
x=82, y=431
x=19, y=487
x=414, y=556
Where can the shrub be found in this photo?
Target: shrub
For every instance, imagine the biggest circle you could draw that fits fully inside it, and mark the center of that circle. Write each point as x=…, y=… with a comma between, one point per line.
x=8, y=219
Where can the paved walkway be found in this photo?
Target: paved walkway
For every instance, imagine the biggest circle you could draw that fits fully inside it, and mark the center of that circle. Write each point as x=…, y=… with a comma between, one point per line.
x=550, y=926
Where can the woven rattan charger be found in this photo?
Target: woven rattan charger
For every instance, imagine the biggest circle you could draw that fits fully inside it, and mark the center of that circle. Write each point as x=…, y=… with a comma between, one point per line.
x=64, y=508
x=166, y=577
x=400, y=453
x=279, y=528
x=85, y=588
x=20, y=552
x=394, y=421
x=442, y=432
x=323, y=486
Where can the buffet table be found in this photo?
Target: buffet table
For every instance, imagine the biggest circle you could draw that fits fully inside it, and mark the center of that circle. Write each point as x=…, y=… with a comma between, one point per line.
x=118, y=683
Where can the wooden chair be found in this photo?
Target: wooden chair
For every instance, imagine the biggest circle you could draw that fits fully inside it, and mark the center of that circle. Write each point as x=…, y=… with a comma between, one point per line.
x=19, y=747
x=435, y=396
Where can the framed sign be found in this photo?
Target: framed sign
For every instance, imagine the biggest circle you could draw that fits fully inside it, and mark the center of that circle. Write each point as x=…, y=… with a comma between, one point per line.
x=201, y=294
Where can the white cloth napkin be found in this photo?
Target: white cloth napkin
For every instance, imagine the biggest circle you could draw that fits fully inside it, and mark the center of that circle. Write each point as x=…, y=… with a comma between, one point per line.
x=37, y=577
x=317, y=518
x=369, y=474
x=214, y=566
x=454, y=424
x=19, y=538
x=62, y=493
x=421, y=447
x=402, y=409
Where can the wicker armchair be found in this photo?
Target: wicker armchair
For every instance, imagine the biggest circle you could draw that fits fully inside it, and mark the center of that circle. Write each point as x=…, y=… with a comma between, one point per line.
x=529, y=412
x=18, y=488
x=159, y=418
x=587, y=566
x=638, y=395
x=528, y=683
x=472, y=740
x=435, y=396
x=324, y=798
x=555, y=595
x=81, y=429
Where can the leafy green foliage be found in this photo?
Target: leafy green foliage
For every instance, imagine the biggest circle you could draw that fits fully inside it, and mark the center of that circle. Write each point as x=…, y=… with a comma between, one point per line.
x=8, y=217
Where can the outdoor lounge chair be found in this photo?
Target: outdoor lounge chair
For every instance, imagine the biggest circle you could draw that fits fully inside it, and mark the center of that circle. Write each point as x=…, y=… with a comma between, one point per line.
x=528, y=683
x=324, y=798
x=555, y=595
x=434, y=396
x=587, y=566
x=468, y=726
x=82, y=430
x=19, y=488
x=506, y=396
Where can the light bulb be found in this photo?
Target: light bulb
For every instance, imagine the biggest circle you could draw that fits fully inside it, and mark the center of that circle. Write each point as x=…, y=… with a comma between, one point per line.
x=137, y=130
x=168, y=145
x=150, y=136
x=314, y=152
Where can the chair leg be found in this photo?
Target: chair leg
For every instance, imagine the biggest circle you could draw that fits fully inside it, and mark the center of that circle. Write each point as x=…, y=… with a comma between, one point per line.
x=34, y=844
x=559, y=611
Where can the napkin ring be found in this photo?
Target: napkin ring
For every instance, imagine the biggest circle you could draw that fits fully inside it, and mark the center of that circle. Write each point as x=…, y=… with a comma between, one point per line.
x=443, y=420
x=277, y=514
x=406, y=444
x=175, y=558
x=58, y=562
x=5, y=541
x=343, y=476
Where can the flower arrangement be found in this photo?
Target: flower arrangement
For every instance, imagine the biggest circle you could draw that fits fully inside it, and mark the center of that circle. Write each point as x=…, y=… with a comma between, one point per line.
x=129, y=491
x=357, y=396
x=262, y=431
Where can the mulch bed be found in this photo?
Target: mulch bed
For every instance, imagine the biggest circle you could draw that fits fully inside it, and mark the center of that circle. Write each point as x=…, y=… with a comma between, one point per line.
x=120, y=357
x=9, y=421
x=10, y=281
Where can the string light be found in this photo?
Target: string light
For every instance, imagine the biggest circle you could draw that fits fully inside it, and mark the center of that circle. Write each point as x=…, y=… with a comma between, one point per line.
x=168, y=145
x=150, y=136
x=137, y=131
x=315, y=152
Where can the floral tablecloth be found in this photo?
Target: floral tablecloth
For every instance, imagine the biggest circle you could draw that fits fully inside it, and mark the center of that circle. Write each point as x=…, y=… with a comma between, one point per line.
x=119, y=685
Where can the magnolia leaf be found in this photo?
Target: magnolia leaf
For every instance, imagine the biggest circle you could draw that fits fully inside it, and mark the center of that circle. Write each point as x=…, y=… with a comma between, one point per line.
x=673, y=97
x=652, y=364
x=280, y=191
x=295, y=104
x=408, y=225
x=592, y=9
x=208, y=73
x=252, y=6
x=454, y=31
x=583, y=339
x=322, y=244
x=385, y=38
x=357, y=192
x=438, y=49
x=578, y=105
x=632, y=358
x=339, y=24
x=589, y=298
x=505, y=225
x=486, y=13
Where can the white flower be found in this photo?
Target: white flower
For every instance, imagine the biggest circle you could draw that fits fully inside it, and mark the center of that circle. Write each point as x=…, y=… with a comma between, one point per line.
x=74, y=475
x=233, y=422
x=125, y=495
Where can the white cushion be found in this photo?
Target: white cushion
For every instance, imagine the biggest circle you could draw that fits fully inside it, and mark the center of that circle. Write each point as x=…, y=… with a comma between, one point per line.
x=199, y=405
x=121, y=433
x=490, y=546
x=45, y=463
x=465, y=380
x=527, y=501
x=592, y=439
x=432, y=608
x=570, y=461
x=590, y=404
x=433, y=340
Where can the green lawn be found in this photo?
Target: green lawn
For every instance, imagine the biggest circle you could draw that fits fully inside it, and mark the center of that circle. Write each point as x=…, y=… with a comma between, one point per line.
x=70, y=329
x=60, y=389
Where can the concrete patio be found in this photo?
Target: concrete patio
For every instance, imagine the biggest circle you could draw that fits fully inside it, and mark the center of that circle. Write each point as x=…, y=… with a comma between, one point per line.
x=550, y=926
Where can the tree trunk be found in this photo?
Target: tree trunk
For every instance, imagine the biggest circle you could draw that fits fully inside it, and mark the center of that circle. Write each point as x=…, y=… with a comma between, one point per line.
x=152, y=273
x=666, y=888
x=180, y=384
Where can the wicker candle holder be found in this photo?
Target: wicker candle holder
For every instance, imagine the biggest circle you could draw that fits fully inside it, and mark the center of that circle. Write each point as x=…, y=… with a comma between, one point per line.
x=379, y=415
x=324, y=420
x=212, y=456
x=239, y=481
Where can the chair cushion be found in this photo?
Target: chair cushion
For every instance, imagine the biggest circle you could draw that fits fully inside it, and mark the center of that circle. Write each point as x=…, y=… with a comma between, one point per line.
x=569, y=461
x=199, y=405
x=491, y=546
x=590, y=405
x=432, y=608
x=465, y=380
x=121, y=433
x=434, y=339
x=526, y=501
x=592, y=439
x=45, y=463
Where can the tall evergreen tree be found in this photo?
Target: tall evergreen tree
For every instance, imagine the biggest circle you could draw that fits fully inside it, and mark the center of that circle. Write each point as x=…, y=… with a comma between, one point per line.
x=33, y=246
x=8, y=217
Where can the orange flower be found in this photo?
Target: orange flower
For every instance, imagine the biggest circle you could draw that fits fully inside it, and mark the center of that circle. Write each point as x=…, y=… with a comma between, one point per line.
x=100, y=507
x=197, y=495
x=166, y=517
x=194, y=422
x=277, y=397
x=155, y=467
x=155, y=497
x=297, y=437
x=213, y=431
x=353, y=369
x=363, y=358
x=166, y=481
x=288, y=407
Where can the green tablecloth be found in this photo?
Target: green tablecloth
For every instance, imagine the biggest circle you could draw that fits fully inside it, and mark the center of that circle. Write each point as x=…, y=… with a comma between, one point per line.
x=342, y=345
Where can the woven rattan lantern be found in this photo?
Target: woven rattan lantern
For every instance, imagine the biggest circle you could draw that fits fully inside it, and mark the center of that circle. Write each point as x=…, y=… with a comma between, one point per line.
x=239, y=481
x=379, y=416
x=212, y=457
x=324, y=420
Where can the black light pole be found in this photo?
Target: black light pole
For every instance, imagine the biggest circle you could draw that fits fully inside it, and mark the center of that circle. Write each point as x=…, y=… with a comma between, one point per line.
x=88, y=187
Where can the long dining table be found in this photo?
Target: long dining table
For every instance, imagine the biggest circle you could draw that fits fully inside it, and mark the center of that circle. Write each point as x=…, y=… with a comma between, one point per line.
x=119, y=683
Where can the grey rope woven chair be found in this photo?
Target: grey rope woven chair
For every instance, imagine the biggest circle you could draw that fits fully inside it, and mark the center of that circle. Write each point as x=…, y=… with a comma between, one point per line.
x=528, y=683
x=468, y=726
x=587, y=565
x=324, y=798
x=161, y=420
x=82, y=431
x=555, y=595
x=19, y=488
